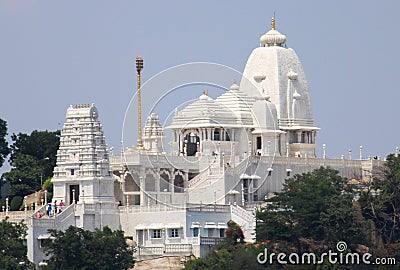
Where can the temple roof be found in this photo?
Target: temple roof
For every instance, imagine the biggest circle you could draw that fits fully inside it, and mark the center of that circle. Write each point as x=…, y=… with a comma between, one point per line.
x=277, y=72
x=239, y=103
x=204, y=112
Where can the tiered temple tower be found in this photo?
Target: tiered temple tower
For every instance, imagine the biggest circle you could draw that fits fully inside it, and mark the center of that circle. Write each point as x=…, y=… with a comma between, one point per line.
x=82, y=179
x=153, y=134
x=82, y=174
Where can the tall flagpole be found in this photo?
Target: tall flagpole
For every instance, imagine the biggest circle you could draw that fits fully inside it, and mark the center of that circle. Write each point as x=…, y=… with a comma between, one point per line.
x=139, y=67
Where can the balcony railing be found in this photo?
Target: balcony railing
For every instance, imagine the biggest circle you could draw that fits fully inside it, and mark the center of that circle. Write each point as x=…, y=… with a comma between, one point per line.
x=193, y=207
x=211, y=240
x=164, y=250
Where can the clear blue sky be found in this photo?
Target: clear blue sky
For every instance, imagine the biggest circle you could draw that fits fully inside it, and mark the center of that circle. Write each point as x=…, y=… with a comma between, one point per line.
x=57, y=53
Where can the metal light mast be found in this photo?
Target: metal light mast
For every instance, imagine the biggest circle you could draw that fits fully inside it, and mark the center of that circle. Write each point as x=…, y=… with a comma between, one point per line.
x=139, y=67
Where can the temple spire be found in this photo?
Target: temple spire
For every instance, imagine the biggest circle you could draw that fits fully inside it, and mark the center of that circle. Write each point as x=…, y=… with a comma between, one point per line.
x=273, y=37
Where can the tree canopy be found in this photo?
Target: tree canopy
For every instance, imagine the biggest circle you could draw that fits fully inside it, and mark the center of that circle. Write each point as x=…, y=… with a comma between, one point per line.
x=4, y=150
x=232, y=253
x=13, y=251
x=381, y=202
x=236, y=257
x=317, y=205
x=77, y=248
x=32, y=158
x=41, y=145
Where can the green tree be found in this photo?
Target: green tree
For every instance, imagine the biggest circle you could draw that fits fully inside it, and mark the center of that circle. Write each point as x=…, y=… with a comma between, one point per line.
x=42, y=145
x=16, y=203
x=48, y=185
x=343, y=220
x=226, y=256
x=33, y=158
x=234, y=234
x=316, y=205
x=13, y=251
x=76, y=248
x=381, y=203
x=25, y=175
x=232, y=253
x=4, y=150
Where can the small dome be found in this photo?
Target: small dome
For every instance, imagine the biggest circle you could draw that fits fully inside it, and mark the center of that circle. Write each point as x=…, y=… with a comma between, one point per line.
x=292, y=75
x=296, y=95
x=259, y=76
x=204, y=112
x=273, y=37
x=203, y=97
x=234, y=87
x=239, y=103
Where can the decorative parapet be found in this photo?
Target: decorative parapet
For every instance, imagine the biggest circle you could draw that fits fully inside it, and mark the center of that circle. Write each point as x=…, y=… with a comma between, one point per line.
x=192, y=207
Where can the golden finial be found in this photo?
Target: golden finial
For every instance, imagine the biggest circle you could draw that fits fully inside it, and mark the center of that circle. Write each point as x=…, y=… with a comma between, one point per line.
x=273, y=23
x=205, y=92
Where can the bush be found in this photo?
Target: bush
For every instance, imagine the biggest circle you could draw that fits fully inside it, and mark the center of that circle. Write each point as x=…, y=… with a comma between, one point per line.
x=16, y=203
x=48, y=185
x=49, y=196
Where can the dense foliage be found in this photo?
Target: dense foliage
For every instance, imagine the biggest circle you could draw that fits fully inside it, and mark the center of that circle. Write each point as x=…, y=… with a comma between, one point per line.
x=13, y=251
x=234, y=234
x=381, y=203
x=317, y=206
x=77, y=248
x=16, y=203
x=4, y=150
x=232, y=253
x=226, y=256
x=32, y=158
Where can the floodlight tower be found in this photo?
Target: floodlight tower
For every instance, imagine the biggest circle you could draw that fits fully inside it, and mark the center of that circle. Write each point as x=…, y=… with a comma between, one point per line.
x=139, y=67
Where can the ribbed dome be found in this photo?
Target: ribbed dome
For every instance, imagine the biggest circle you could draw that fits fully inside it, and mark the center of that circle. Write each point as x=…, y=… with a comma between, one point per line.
x=273, y=37
x=239, y=103
x=204, y=112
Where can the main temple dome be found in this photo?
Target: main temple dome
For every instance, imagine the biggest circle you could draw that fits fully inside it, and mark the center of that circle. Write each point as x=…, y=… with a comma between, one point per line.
x=276, y=70
x=204, y=112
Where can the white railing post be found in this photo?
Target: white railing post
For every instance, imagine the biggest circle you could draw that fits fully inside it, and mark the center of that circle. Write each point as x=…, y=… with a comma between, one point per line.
x=25, y=206
x=7, y=207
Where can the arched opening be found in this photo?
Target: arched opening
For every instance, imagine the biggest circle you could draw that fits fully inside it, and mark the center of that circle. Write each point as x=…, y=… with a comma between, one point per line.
x=217, y=135
x=178, y=184
x=192, y=143
x=258, y=145
x=132, y=182
x=164, y=182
